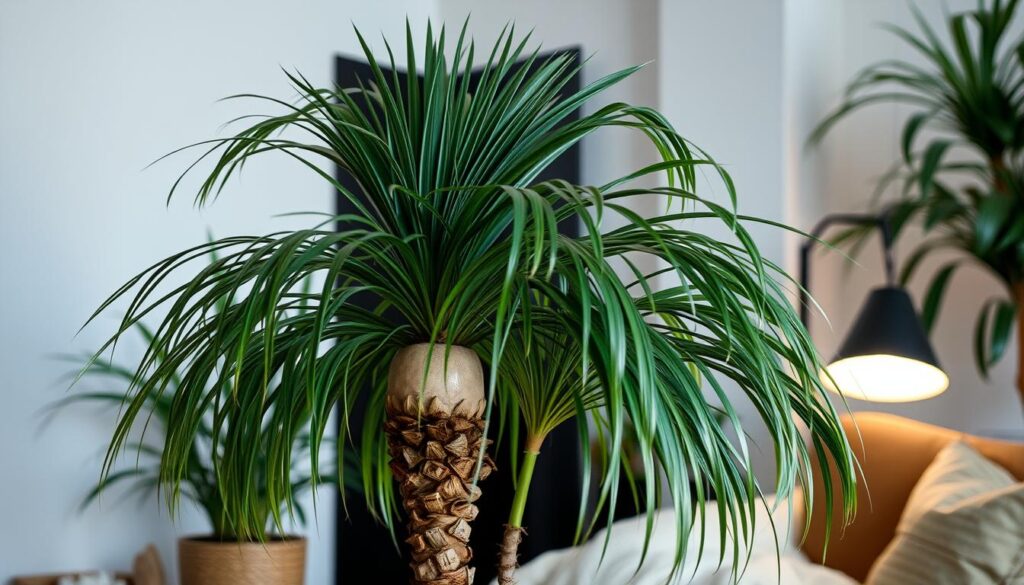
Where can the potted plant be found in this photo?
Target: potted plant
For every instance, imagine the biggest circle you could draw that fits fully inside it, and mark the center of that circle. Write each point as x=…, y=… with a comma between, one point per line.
x=232, y=553
x=962, y=172
x=452, y=255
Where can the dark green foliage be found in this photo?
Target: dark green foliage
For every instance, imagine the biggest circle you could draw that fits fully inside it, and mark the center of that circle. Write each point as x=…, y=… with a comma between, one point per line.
x=454, y=242
x=962, y=172
x=199, y=482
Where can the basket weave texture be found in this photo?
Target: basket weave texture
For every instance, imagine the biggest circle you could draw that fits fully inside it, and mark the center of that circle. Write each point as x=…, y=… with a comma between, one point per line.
x=276, y=562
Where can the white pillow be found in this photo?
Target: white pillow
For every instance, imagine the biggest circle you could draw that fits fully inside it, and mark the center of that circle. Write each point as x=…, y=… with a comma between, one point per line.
x=963, y=524
x=583, y=565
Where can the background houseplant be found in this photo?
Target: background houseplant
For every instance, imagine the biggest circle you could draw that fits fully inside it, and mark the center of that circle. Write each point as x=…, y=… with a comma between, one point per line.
x=962, y=173
x=454, y=251
x=217, y=558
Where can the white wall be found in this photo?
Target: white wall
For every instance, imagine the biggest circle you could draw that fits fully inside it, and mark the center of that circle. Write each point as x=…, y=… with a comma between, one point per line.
x=812, y=50
x=723, y=91
x=90, y=93
x=720, y=67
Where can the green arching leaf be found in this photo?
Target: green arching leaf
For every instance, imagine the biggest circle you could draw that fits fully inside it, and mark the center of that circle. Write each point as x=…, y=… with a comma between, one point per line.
x=910, y=130
x=923, y=250
x=930, y=163
x=992, y=217
x=114, y=479
x=1002, y=327
x=981, y=356
x=936, y=292
x=199, y=481
x=942, y=208
x=1013, y=235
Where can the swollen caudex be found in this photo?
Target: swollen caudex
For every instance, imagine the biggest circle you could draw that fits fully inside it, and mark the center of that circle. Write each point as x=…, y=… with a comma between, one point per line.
x=435, y=433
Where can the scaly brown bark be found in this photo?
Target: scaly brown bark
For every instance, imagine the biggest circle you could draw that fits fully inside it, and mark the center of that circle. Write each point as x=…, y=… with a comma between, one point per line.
x=508, y=555
x=433, y=457
x=434, y=428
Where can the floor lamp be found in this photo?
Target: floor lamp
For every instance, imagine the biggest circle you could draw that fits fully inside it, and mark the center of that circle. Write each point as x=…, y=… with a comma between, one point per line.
x=886, y=356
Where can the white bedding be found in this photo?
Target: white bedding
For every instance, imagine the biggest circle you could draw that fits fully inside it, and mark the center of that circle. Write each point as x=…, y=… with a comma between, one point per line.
x=767, y=565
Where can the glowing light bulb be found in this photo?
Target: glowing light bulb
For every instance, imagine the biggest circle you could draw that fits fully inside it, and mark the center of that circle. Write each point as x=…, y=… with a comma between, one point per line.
x=884, y=378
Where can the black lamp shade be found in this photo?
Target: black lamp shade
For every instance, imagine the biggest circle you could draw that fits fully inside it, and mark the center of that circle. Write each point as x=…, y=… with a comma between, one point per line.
x=886, y=357
x=887, y=324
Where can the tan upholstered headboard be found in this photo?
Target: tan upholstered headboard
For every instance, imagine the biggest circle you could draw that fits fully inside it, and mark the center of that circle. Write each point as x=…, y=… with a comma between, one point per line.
x=894, y=454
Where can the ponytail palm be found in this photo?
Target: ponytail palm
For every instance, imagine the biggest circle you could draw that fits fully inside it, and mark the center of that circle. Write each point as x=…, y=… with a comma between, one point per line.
x=454, y=242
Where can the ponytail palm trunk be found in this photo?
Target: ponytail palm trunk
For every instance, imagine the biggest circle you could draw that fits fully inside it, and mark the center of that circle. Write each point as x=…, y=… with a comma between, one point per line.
x=434, y=426
x=455, y=247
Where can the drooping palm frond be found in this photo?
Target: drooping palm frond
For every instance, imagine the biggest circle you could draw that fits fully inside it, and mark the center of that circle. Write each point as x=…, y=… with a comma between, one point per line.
x=199, y=481
x=962, y=167
x=542, y=381
x=728, y=320
x=453, y=242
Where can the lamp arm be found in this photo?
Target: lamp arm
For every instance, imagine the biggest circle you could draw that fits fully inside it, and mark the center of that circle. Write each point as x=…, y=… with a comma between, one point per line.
x=881, y=221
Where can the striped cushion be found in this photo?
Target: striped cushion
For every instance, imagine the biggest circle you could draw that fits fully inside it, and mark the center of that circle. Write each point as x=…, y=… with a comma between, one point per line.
x=963, y=524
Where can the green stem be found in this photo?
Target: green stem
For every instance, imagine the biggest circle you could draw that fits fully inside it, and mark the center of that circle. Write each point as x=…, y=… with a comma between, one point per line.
x=515, y=518
x=508, y=553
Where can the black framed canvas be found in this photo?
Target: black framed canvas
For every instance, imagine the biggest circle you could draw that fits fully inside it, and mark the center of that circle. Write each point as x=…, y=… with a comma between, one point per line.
x=365, y=550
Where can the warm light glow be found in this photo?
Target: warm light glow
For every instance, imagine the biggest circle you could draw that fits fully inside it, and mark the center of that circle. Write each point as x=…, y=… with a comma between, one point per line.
x=885, y=378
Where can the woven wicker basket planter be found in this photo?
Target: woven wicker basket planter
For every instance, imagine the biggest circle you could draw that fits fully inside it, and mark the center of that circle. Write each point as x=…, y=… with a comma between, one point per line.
x=203, y=561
